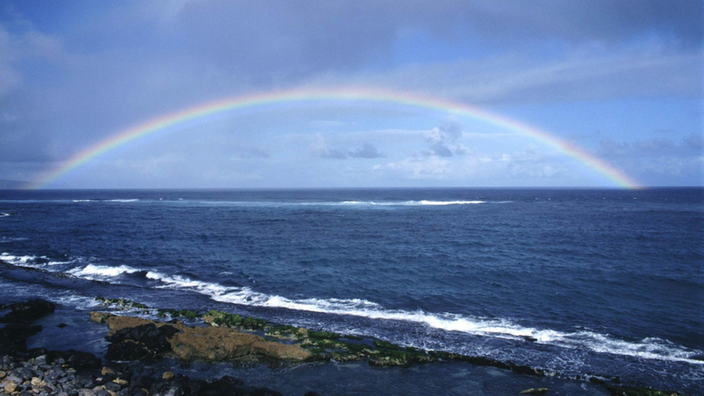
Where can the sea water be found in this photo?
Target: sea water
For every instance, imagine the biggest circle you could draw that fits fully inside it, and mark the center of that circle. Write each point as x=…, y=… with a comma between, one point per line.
x=577, y=282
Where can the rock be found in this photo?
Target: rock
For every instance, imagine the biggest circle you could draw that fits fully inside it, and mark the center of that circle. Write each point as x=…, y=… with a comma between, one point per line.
x=167, y=375
x=111, y=386
x=13, y=337
x=136, y=338
x=106, y=370
x=37, y=383
x=152, y=337
x=10, y=387
x=27, y=374
x=127, y=351
x=14, y=378
x=61, y=325
x=137, y=343
x=117, y=323
x=28, y=311
x=36, y=352
x=527, y=370
x=86, y=392
x=99, y=317
x=534, y=391
x=2, y=374
x=40, y=359
x=219, y=343
x=76, y=359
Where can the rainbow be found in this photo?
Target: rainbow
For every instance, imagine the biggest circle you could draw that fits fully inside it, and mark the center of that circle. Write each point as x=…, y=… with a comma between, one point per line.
x=167, y=121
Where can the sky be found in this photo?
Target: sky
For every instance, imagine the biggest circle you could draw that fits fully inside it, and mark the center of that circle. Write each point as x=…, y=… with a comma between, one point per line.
x=621, y=80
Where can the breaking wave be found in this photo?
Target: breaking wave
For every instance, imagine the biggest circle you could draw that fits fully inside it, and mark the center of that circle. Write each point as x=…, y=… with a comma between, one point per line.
x=96, y=272
x=648, y=348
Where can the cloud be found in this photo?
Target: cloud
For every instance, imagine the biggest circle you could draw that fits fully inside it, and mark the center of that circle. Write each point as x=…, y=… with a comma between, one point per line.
x=443, y=139
x=688, y=146
x=420, y=168
x=695, y=141
x=321, y=149
x=520, y=77
x=366, y=151
x=70, y=77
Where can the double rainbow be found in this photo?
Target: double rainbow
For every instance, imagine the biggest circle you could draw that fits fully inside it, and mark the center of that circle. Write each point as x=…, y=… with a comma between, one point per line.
x=170, y=120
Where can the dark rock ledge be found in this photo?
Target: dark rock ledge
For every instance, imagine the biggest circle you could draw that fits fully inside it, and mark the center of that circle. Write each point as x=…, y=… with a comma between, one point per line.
x=74, y=373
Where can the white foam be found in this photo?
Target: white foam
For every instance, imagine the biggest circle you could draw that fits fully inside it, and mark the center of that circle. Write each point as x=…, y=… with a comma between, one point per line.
x=649, y=348
x=22, y=261
x=344, y=203
x=4, y=214
x=11, y=239
x=91, y=271
x=411, y=203
x=439, y=203
x=70, y=261
x=107, y=200
x=180, y=282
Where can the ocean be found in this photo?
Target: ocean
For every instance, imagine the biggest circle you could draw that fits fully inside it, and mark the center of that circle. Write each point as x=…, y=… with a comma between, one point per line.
x=577, y=282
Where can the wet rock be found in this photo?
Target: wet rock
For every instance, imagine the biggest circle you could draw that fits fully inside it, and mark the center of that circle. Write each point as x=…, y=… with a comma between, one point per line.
x=128, y=351
x=99, y=317
x=111, y=386
x=527, y=370
x=191, y=343
x=218, y=343
x=28, y=311
x=167, y=375
x=27, y=374
x=140, y=342
x=76, y=359
x=152, y=337
x=10, y=387
x=13, y=337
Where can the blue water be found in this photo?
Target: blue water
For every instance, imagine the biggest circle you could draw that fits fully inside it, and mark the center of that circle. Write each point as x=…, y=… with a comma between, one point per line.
x=607, y=282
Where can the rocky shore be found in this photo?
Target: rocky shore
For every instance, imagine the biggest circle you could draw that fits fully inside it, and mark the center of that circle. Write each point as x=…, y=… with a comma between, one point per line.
x=189, y=336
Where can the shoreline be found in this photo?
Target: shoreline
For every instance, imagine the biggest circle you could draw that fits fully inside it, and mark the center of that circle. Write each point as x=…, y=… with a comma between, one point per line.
x=233, y=338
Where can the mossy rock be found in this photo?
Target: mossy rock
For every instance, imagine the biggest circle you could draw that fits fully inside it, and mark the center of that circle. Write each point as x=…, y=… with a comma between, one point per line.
x=185, y=313
x=324, y=335
x=120, y=302
x=253, y=323
x=283, y=330
x=385, y=345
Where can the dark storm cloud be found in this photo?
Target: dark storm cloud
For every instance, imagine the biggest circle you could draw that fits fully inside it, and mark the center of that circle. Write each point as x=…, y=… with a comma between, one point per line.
x=71, y=75
x=276, y=41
